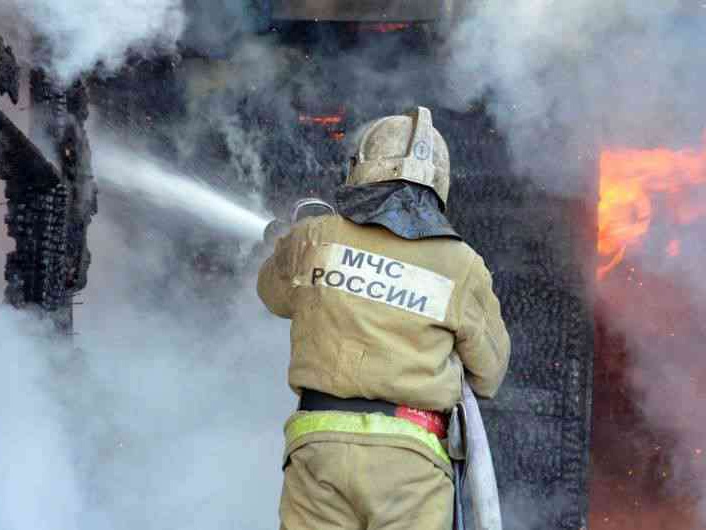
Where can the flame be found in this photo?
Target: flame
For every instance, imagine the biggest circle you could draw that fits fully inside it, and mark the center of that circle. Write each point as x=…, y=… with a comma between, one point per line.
x=380, y=27
x=674, y=248
x=630, y=182
x=328, y=121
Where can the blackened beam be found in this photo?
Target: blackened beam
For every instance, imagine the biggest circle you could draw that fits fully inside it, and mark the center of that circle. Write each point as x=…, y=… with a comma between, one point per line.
x=37, y=220
x=9, y=73
x=21, y=163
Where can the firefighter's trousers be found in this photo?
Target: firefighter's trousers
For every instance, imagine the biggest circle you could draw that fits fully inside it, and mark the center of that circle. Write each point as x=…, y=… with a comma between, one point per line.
x=343, y=486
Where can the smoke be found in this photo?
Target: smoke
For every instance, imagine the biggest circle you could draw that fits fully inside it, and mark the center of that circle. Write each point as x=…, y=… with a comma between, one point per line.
x=171, y=404
x=169, y=413
x=217, y=138
x=565, y=78
x=661, y=316
x=214, y=26
x=80, y=34
x=38, y=482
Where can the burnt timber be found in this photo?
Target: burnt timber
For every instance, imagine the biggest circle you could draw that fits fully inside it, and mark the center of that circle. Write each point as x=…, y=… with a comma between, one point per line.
x=49, y=207
x=539, y=424
x=9, y=73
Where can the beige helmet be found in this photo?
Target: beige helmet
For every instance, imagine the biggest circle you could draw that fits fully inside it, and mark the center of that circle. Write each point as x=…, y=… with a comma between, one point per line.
x=403, y=148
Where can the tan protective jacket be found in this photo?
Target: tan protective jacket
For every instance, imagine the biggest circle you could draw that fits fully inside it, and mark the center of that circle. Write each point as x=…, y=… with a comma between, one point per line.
x=382, y=317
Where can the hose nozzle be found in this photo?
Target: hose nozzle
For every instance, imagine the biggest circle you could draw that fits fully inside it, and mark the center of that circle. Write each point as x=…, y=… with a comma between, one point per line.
x=303, y=208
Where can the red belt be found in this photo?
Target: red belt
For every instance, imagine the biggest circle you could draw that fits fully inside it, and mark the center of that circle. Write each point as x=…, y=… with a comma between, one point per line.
x=432, y=421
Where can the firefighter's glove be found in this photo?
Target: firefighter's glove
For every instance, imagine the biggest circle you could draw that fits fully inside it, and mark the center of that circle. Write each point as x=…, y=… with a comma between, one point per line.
x=274, y=230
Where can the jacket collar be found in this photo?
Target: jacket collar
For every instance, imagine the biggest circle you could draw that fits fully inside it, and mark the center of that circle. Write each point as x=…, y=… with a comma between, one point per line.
x=408, y=210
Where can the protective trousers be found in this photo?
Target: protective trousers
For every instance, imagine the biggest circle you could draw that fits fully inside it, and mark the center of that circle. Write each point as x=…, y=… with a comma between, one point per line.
x=344, y=486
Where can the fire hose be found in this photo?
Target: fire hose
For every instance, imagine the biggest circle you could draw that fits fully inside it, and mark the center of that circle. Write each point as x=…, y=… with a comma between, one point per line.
x=473, y=466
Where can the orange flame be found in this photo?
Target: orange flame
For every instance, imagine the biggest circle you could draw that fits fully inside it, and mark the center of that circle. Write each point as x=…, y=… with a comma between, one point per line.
x=333, y=119
x=379, y=27
x=328, y=121
x=630, y=179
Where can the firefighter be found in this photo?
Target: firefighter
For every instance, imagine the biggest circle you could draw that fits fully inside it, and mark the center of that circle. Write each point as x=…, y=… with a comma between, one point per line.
x=388, y=306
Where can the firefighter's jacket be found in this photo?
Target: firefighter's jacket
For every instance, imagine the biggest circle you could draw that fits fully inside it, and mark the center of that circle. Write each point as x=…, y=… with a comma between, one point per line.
x=381, y=317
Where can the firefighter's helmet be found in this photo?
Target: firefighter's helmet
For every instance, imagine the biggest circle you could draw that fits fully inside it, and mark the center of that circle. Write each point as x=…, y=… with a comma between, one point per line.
x=403, y=148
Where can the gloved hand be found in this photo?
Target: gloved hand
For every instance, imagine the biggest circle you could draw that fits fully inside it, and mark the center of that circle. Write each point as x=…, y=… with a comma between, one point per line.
x=303, y=208
x=273, y=230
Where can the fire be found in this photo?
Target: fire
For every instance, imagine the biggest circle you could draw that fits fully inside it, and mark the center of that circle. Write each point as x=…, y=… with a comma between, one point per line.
x=379, y=27
x=632, y=181
x=330, y=122
x=325, y=121
x=674, y=248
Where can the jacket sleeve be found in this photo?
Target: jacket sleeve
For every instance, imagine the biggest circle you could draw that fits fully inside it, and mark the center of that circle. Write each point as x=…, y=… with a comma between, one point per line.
x=274, y=281
x=482, y=342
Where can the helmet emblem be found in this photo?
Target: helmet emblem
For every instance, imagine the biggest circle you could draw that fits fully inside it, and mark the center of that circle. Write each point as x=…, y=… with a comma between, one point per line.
x=422, y=150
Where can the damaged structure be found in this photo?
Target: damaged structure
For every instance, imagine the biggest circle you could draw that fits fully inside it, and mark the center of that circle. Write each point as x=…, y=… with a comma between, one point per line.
x=49, y=204
x=9, y=73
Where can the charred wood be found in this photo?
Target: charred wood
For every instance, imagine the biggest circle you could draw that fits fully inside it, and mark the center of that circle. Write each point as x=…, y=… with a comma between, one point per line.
x=23, y=164
x=540, y=248
x=61, y=114
x=49, y=207
x=37, y=219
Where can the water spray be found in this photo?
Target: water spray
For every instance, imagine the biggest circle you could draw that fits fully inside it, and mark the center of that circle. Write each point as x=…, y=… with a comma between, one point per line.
x=129, y=172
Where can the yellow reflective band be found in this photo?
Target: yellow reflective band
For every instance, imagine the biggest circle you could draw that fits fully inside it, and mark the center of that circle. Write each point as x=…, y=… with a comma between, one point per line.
x=317, y=422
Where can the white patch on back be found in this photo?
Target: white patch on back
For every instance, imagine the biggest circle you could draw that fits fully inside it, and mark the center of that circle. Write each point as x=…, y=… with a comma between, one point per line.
x=381, y=279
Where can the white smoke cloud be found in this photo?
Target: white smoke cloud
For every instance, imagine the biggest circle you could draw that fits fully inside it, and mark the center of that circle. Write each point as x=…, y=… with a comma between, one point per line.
x=169, y=416
x=214, y=25
x=213, y=91
x=81, y=33
x=38, y=482
x=564, y=78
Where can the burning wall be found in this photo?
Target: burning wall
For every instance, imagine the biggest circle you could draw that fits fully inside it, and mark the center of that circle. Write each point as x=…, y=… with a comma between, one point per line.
x=638, y=185
x=649, y=423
